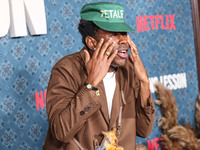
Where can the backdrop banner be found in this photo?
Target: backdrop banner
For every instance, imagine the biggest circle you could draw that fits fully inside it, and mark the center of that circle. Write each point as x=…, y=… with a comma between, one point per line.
x=163, y=33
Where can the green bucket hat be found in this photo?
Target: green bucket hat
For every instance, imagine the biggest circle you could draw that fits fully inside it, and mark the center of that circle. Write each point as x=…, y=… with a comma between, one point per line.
x=105, y=15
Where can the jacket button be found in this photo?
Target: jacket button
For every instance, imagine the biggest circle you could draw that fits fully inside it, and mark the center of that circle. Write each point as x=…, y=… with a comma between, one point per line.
x=86, y=109
x=90, y=105
x=82, y=113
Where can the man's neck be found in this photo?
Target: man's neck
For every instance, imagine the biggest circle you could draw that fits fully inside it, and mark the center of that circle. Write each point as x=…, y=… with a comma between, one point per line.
x=111, y=69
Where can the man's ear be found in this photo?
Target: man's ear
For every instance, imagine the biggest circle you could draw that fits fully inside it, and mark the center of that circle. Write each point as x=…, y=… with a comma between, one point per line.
x=90, y=42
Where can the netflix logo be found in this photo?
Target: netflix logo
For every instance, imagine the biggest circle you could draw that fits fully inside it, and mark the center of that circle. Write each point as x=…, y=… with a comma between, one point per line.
x=40, y=99
x=155, y=22
x=156, y=144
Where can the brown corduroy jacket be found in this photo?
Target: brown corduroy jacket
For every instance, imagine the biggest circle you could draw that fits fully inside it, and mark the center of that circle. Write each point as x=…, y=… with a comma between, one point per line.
x=74, y=112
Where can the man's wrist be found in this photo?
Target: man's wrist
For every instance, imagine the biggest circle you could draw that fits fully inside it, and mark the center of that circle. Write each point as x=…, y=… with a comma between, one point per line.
x=145, y=82
x=145, y=92
x=91, y=82
x=92, y=88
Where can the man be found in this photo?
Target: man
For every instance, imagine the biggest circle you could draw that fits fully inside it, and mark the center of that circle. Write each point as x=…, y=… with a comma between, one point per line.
x=98, y=91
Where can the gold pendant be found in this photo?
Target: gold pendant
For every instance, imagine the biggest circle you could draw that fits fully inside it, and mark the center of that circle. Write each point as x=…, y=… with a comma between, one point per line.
x=110, y=141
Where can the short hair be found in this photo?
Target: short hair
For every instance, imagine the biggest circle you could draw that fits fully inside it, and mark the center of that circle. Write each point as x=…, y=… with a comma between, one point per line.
x=87, y=28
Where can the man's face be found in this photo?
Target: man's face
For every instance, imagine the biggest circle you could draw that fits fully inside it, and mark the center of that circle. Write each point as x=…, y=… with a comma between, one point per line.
x=120, y=43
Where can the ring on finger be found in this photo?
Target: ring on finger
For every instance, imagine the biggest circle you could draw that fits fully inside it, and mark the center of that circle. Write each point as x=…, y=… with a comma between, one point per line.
x=137, y=53
x=107, y=53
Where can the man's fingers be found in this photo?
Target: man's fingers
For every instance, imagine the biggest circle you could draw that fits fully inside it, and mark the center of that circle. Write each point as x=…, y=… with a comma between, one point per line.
x=104, y=47
x=108, y=51
x=98, y=47
x=132, y=51
x=110, y=59
x=87, y=56
x=131, y=58
x=132, y=45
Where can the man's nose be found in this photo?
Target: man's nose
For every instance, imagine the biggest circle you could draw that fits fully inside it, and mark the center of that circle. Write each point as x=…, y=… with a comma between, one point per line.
x=122, y=39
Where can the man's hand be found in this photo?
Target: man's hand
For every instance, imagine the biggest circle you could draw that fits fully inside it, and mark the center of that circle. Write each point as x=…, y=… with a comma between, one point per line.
x=140, y=71
x=97, y=66
x=134, y=57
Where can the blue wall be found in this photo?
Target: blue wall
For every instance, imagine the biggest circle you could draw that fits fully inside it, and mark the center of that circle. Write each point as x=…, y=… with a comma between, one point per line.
x=26, y=63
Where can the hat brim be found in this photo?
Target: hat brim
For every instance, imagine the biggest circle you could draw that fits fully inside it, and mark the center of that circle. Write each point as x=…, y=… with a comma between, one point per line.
x=114, y=27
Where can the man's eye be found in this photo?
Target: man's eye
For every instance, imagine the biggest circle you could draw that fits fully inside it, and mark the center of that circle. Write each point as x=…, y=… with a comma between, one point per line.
x=115, y=34
x=123, y=33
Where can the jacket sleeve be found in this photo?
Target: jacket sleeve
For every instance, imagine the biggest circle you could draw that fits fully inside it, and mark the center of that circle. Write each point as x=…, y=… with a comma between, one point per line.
x=145, y=115
x=68, y=104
